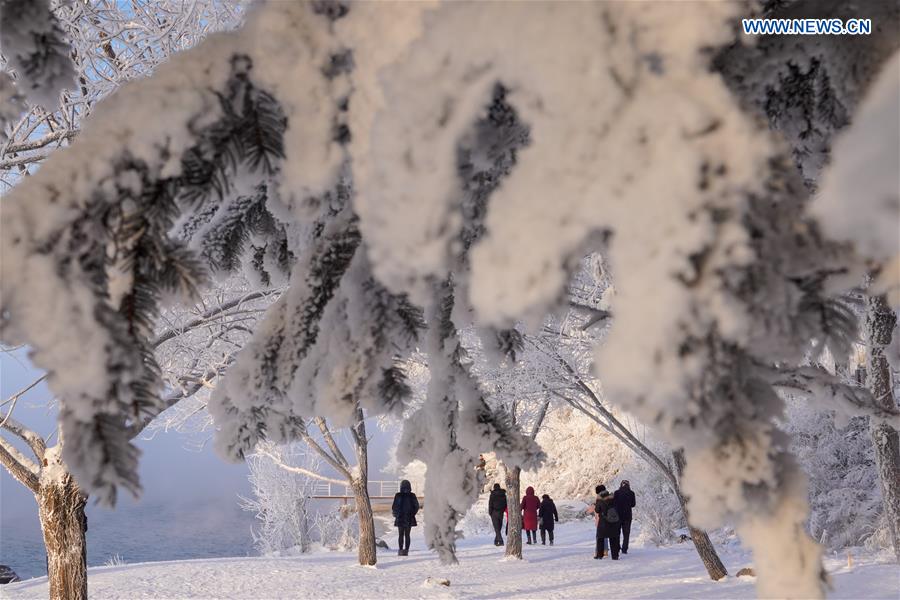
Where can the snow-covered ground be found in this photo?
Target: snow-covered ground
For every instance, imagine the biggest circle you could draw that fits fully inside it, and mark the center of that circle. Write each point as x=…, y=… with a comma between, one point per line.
x=566, y=570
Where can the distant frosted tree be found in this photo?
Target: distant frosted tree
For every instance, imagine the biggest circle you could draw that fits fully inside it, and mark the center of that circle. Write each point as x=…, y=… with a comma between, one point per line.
x=845, y=499
x=580, y=454
x=658, y=507
x=281, y=498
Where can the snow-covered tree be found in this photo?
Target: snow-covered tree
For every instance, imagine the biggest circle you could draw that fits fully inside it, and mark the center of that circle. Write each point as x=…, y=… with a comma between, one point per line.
x=357, y=133
x=659, y=509
x=845, y=500
x=580, y=454
x=281, y=498
x=189, y=369
x=99, y=46
x=559, y=361
x=515, y=409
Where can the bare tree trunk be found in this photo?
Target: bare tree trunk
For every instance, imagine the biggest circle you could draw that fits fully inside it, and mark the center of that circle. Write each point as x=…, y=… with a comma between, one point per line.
x=63, y=522
x=367, y=553
x=702, y=543
x=880, y=321
x=514, y=521
x=360, y=485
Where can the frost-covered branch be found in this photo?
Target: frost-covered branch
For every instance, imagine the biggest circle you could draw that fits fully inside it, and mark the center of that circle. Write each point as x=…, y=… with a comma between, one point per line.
x=35, y=46
x=299, y=470
x=329, y=441
x=41, y=142
x=20, y=467
x=849, y=400
x=210, y=315
x=31, y=438
x=109, y=45
x=21, y=161
x=341, y=467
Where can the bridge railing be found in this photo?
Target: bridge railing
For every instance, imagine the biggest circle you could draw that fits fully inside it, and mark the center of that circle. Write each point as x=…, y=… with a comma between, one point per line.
x=377, y=489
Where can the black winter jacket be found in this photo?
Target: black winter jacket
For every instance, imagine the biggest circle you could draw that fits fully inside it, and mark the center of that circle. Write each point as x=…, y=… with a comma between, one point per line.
x=547, y=513
x=405, y=507
x=604, y=527
x=623, y=500
x=497, y=501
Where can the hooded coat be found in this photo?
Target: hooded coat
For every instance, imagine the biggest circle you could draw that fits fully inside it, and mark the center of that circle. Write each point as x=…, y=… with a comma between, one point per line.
x=405, y=506
x=548, y=513
x=530, y=505
x=623, y=500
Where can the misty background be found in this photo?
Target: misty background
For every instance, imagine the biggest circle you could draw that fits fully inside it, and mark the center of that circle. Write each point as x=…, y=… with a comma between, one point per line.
x=188, y=509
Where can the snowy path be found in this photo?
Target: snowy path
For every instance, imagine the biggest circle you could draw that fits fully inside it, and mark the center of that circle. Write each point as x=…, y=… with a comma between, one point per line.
x=566, y=570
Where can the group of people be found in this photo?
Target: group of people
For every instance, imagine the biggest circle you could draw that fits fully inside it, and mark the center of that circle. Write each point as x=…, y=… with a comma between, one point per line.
x=612, y=514
x=535, y=513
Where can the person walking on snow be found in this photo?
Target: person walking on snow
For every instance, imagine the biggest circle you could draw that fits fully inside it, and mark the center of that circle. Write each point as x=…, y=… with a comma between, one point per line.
x=547, y=513
x=496, y=510
x=530, y=505
x=598, y=490
x=404, y=509
x=607, y=524
x=623, y=500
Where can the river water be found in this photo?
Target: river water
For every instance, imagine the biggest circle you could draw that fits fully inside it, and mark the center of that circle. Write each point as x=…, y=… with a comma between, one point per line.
x=137, y=533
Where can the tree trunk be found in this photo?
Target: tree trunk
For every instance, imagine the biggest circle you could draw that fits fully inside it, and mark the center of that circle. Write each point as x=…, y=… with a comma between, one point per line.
x=360, y=485
x=702, y=543
x=880, y=321
x=63, y=522
x=513, y=497
x=367, y=553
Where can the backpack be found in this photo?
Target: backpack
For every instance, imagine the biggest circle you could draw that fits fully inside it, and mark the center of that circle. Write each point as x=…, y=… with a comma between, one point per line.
x=612, y=515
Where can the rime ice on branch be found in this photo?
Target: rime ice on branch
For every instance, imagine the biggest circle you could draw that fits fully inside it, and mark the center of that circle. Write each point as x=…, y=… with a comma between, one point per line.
x=36, y=49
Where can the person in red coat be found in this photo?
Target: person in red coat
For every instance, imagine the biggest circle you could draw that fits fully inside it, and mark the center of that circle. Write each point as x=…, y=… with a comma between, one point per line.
x=530, y=506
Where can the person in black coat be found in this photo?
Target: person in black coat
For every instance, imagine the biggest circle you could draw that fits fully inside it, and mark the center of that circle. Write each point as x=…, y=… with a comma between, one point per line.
x=607, y=524
x=547, y=515
x=405, y=507
x=496, y=508
x=623, y=500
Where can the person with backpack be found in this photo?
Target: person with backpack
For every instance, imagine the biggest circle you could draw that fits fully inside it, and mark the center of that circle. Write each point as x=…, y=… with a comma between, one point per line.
x=623, y=500
x=547, y=515
x=608, y=524
x=529, y=506
x=496, y=510
x=404, y=509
